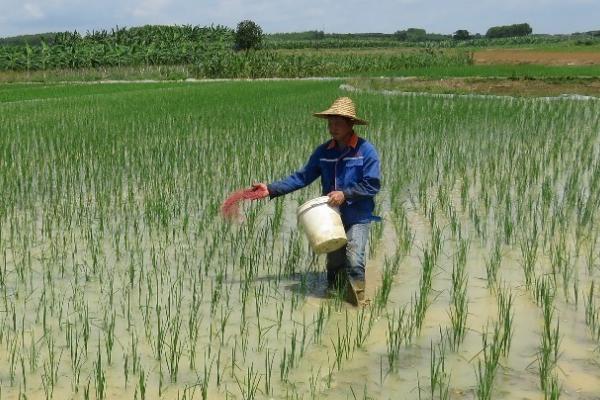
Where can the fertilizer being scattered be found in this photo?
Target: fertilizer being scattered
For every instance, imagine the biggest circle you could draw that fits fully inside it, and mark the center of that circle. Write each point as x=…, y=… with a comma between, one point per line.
x=230, y=209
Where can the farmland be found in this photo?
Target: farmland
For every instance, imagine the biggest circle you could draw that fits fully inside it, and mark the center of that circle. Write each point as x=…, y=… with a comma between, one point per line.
x=119, y=278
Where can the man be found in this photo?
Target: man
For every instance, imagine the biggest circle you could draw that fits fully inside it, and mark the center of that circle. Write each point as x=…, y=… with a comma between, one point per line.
x=349, y=169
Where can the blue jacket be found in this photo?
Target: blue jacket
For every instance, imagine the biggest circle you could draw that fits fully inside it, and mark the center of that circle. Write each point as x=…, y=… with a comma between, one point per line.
x=354, y=171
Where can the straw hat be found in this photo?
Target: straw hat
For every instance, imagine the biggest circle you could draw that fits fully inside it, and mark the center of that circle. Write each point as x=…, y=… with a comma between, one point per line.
x=343, y=107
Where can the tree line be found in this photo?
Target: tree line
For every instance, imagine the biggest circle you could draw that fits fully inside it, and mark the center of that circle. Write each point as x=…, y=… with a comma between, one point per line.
x=247, y=35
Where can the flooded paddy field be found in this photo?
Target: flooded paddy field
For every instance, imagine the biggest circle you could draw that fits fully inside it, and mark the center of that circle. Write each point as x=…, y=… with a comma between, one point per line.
x=119, y=278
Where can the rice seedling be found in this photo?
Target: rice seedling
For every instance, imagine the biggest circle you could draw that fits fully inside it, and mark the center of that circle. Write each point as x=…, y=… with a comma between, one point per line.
x=400, y=331
x=529, y=250
x=553, y=389
x=268, y=372
x=99, y=375
x=249, y=386
x=313, y=382
x=488, y=364
x=506, y=317
x=439, y=378
x=363, y=328
x=492, y=265
x=421, y=301
x=548, y=353
x=459, y=306
x=592, y=313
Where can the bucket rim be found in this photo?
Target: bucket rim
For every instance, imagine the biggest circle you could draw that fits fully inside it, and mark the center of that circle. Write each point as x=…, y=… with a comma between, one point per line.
x=316, y=202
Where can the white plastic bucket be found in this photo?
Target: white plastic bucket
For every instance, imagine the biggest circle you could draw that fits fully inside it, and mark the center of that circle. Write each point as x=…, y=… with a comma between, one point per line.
x=322, y=224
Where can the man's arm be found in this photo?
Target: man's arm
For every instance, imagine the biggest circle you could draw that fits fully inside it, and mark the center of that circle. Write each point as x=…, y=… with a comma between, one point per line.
x=298, y=179
x=370, y=183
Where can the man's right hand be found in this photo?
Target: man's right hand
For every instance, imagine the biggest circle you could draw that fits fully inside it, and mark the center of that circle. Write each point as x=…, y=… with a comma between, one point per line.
x=261, y=189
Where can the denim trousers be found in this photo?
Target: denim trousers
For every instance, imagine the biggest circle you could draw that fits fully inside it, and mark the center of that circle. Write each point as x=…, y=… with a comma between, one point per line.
x=350, y=258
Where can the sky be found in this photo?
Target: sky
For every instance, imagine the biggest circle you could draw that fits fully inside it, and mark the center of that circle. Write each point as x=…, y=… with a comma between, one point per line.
x=386, y=16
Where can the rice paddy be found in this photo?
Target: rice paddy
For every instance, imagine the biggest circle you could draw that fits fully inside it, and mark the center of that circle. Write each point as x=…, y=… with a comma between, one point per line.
x=119, y=278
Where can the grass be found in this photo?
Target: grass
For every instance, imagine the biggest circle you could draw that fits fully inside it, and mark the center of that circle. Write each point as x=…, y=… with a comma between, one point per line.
x=25, y=92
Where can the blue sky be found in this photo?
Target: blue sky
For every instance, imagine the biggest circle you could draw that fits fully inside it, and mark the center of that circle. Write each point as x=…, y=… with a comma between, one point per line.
x=545, y=16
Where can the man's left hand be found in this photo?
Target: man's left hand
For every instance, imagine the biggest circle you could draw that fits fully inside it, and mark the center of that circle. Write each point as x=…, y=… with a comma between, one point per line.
x=336, y=198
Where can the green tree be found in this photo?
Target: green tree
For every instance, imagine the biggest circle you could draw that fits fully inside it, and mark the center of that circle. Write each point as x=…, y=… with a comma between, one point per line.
x=401, y=35
x=416, y=34
x=461, y=34
x=509, y=31
x=248, y=35
x=411, y=35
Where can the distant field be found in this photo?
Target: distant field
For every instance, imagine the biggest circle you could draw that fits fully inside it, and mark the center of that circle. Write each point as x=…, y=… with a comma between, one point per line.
x=555, y=62
x=486, y=56
x=514, y=70
x=519, y=87
x=536, y=56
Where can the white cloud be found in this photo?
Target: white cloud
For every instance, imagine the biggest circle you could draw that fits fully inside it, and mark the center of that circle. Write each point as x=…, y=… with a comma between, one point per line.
x=33, y=11
x=151, y=8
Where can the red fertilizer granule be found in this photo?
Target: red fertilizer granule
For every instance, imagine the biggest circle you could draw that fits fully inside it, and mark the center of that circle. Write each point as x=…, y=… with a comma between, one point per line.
x=231, y=206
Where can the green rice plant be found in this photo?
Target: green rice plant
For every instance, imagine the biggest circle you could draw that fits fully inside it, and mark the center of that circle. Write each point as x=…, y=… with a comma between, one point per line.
x=421, y=303
x=313, y=383
x=400, y=331
x=289, y=358
x=529, y=250
x=268, y=372
x=363, y=328
x=304, y=336
x=562, y=265
x=50, y=366
x=488, y=364
x=476, y=221
x=455, y=226
x=279, y=313
x=544, y=290
x=548, y=351
x=12, y=363
x=553, y=389
x=318, y=323
x=403, y=232
x=436, y=243
x=591, y=255
x=141, y=384
x=175, y=349
x=343, y=346
x=439, y=378
x=508, y=225
x=75, y=352
x=506, y=316
x=592, y=313
x=23, y=376
x=99, y=376
x=109, y=337
x=459, y=302
x=33, y=354
x=383, y=292
x=492, y=265
x=249, y=386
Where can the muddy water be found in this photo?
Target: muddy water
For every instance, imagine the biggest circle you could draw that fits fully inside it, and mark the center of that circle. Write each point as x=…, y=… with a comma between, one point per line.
x=578, y=367
x=298, y=299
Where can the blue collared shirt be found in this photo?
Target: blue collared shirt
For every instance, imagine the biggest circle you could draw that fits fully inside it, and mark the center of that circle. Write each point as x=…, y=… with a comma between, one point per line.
x=353, y=170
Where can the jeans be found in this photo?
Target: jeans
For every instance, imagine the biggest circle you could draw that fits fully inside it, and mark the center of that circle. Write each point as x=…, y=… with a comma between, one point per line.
x=351, y=257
